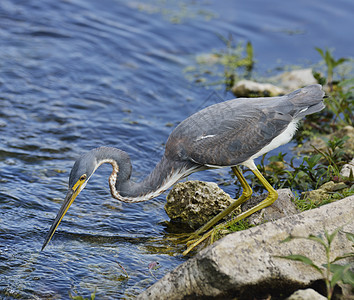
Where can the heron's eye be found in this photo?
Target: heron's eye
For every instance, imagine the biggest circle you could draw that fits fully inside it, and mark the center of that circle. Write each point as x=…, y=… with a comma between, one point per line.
x=83, y=177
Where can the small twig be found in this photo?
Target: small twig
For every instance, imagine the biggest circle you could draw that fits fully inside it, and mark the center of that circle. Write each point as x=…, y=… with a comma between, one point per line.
x=124, y=271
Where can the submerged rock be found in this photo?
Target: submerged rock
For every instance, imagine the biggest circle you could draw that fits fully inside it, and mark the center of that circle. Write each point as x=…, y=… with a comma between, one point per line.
x=284, y=83
x=196, y=202
x=290, y=81
x=248, y=88
x=246, y=264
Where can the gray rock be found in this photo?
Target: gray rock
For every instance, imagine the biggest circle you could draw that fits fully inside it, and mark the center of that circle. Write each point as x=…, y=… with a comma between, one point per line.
x=308, y=294
x=323, y=192
x=248, y=88
x=196, y=202
x=245, y=264
x=295, y=79
x=285, y=82
x=282, y=207
x=348, y=169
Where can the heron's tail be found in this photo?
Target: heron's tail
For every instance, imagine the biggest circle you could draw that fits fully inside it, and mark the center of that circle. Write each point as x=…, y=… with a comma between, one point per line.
x=307, y=100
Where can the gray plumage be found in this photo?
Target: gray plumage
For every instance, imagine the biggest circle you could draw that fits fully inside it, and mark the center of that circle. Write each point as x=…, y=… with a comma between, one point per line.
x=234, y=130
x=223, y=134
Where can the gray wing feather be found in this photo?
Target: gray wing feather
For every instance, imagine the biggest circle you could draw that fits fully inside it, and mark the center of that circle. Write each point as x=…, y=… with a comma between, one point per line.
x=230, y=132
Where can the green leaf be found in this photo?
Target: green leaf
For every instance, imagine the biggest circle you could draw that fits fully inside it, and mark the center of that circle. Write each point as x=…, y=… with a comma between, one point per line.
x=335, y=267
x=249, y=50
x=320, y=51
x=303, y=259
x=317, y=239
x=336, y=277
x=289, y=238
x=345, y=255
x=313, y=160
x=340, y=61
x=329, y=59
x=331, y=236
x=348, y=277
x=341, y=273
x=349, y=81
x=350, y=236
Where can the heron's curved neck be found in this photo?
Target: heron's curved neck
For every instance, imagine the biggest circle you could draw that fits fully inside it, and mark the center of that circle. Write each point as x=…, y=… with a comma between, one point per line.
x=166, y=173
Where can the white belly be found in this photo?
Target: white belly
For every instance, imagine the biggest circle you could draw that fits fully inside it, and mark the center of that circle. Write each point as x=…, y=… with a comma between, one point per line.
x=281, y=139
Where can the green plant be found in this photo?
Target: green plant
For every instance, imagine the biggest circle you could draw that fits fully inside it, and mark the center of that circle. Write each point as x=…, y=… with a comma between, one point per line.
x=233, y=61
x=303, y=204
x=331, y=63
x=307, y=175
x=341, y=103
x=312, y=172
x=342, y=194
x=332, y=273
x=125, y=276
x=333, y=154
x=225, y=66
x=92, y=297
x=224, y=230
x=239, y=226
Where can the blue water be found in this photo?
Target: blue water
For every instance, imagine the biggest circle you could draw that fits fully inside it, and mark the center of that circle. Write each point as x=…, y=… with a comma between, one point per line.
x=75, y=75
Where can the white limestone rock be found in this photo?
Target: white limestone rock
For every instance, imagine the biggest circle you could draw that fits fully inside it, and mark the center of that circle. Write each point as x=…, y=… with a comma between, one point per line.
x=246, y=265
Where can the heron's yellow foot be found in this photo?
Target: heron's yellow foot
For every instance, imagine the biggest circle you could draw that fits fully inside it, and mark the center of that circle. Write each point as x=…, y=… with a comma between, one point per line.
x=182, y=238
x=190, y=238
x=192, y=243
x=211, y=234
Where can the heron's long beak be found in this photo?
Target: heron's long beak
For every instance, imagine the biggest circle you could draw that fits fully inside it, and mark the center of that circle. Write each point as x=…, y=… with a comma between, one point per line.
x=69, y=199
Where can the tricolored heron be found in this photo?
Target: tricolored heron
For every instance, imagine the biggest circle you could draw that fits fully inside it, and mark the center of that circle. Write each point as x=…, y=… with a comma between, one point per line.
x=226, y=134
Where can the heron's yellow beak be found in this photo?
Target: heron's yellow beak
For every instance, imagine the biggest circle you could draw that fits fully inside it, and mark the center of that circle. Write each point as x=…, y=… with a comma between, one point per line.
x=69, y=199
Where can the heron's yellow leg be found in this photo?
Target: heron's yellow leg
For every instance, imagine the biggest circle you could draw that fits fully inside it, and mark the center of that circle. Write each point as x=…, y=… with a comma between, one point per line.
x=246, y=194
x=272, y=196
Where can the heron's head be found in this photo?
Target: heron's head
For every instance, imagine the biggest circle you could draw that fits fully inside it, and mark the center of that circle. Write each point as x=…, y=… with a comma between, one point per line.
x=81, y=172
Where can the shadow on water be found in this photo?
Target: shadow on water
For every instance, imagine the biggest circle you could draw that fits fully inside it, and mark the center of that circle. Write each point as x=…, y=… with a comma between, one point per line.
x=75, y=75
x=101, y=240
